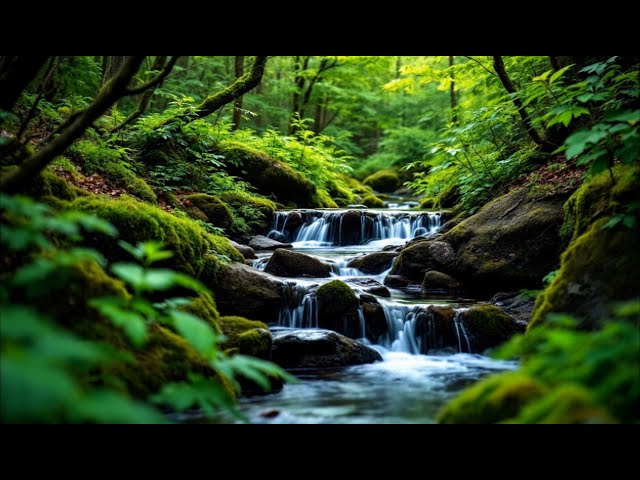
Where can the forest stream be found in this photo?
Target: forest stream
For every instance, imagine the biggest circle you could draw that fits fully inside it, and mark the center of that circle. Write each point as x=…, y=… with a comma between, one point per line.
x=413, y=381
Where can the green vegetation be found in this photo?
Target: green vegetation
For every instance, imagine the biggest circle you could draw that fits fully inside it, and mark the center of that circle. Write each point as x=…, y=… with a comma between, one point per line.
x=123, y=178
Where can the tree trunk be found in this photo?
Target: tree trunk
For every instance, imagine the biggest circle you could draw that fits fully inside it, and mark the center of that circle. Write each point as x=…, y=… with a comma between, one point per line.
x=237, y=106
x=227, y=95
x=498, y=65
x=15, y=75
x=111, y=66
x=72, y=129
x=454, y=100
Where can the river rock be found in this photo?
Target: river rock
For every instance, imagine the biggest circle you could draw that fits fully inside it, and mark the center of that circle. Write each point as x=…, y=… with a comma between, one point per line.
x=369, y=285
x=350, y=227
x=414, y=261
x=294, y=220
x=244, y=291
x=374, y=263
x=515, y=305
x=375, y=319
x=434, y=329
x=260, y=242
x=313, y=348
x=487, y=326
x=286, y=263
x=397, y=281
x=338, y=308
x=246, y=251
x=435, y=281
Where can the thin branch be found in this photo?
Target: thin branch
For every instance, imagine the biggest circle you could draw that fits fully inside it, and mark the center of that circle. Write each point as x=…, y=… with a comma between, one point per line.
x=156, y=81
x=480, y=63
x=53, y=64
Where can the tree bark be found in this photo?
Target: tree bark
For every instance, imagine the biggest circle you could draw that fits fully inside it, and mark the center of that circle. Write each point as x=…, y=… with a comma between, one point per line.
x=498, y=65
x=73, y=128
x=214, y=102
x=15, y=75
x=237, y=106
x=452, y=91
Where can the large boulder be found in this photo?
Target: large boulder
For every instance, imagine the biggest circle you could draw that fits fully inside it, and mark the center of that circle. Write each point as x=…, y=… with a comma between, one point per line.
x=270, y=176
x=338, y=308
x=416, y=260
x=373, y=263
x=487, y=326
x=286, y=263
x=260, y=242
x=208, y=208
x=311, y=348
x=242, y=290
x=435, y=281
x=384, y=181
x=512, y=242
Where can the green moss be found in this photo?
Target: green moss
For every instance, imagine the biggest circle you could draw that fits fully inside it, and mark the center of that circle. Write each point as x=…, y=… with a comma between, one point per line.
x=567, y=404
x=215, y=211
x=336, y=298
x=493, y=399
x=194, y=249
x=322, y=199
x=597, y=198
x=488, y=325
x=340, y=192
x=48, y=184
x=428, y=202
x=268, y=175
x=204, y=307
x=372, y=201
x=253, y=211
x=123, y=177
x=383, y=181
x=248, y=336
x=600, y=267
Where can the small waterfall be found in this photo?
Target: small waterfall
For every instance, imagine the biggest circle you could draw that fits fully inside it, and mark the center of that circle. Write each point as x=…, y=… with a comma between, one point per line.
x=340, y=269
x=300, y=309
x=400, y=335
x=351, y=227
x=461, y=330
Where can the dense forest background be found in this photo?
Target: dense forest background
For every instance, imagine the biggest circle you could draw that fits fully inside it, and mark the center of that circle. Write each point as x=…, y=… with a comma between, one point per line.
x=124, y=178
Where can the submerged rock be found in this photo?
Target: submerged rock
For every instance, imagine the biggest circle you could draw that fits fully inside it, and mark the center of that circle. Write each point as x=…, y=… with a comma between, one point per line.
x=311, y=348
x=374, y=263
x=285, y=263
x=435, y=281
x=369, y=285
x=260, y=242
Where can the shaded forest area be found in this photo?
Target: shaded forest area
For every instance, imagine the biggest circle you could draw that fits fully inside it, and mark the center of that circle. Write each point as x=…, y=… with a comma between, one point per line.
x=131, y=187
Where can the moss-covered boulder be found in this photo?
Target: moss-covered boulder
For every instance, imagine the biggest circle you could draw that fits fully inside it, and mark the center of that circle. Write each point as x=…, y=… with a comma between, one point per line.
x=48, y=184
x=338, y=308
x=194, y=248
x=495, y=399
x=208, y=208
x=319, y=349
x=599, y=268
x=247, y=336
x=243, y=291
x=268, y=175
x=417, y=259
x=372, y=201
x=252, y=214
x=434, y=329
x=383, y=181
x=373, y=263
x=512, y=242
x=435, y=281
x=286, y=263
x=487, y=326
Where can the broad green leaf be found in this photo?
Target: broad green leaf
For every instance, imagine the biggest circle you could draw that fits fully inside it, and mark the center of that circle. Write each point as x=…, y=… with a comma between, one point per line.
x=196, y=331
x=559, y=74
x=130, y=273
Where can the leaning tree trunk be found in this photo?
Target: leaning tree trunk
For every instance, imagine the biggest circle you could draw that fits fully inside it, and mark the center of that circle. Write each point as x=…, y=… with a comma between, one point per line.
x=498, y=65
x=73, y=128
x=452, y=92
x=237, y=106
x=15, y=75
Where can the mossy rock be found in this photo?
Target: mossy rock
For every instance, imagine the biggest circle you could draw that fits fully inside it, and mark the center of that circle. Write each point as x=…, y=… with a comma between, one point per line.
x=248, y=336
x=285, y=263
x=215, y=211
x=511, y=243
x=599, y=268
x=495, y=399
x=435, y=281
x=383, y=181
x=194, y=248
x=121, y=176
x=597, y=198
x=567, y=404
x=372, y=201
x=322, y=199
x=338, y=308
x=204, y=307
x=488, y=326
x=268, y=175
x=48, y=184
x=256, y=212
x=421, y=256
x=165, y=357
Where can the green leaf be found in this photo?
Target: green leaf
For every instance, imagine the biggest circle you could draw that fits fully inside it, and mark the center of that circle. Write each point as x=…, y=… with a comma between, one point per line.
x=630, y=117
x=116, y=310
x=559, y=74
x=196, y=331
x=130, y=273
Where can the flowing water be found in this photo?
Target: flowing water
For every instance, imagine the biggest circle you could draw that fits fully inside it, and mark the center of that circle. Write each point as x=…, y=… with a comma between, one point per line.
x=415, y=377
